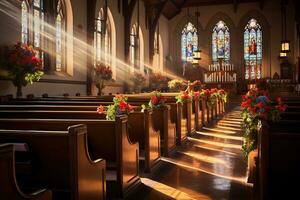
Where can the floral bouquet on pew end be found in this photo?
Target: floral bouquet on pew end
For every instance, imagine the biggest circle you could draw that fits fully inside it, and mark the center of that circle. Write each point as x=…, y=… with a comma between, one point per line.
x=157, y=101
x=256, y=105
x=223, y=95
x=119, y=107
x=210, y=96
x=184, y=97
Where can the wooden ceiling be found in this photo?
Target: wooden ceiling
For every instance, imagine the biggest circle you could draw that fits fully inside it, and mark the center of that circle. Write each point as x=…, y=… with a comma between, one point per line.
x=173, y=7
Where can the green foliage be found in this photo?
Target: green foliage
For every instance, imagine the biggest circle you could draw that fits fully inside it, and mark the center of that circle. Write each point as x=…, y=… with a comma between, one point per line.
x=184, y=97
x=30, y=78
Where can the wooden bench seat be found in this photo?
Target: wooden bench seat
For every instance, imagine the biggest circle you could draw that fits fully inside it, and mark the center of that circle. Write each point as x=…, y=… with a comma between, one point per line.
x=106, y=139
x=279, y=144
x=61, y=162
x=140, y=126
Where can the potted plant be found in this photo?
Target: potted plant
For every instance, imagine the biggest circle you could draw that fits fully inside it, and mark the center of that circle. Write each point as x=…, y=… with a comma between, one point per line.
x=103, y=74
x=21, y=65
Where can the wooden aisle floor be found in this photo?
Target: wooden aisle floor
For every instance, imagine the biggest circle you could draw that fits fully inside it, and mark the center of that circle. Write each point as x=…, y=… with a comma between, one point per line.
x=209, y=167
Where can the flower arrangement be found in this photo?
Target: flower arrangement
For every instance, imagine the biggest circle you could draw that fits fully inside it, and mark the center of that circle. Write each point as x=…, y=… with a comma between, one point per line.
x=196, y=94
x=175, y=85
x=184, y=97
x=223, y=95
x=22, y=66
x=255, y=106
x=119, y=107
x=158, y=81
x=210, y=96
x=138, y=81
x=102, y=75
x=157, y=101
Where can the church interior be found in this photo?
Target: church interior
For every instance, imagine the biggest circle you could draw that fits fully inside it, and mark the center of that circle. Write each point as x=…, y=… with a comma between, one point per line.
x=149, y=99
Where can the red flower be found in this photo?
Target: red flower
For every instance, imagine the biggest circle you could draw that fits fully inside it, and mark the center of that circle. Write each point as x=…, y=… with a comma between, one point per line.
x=122, y=106
x=260, y=105
x=154, y=100
x=101, y=109
x=281, y=108
x=185, y=95
x=278, y=100
x=251, y=109
x=246, y=103
x=196, y=94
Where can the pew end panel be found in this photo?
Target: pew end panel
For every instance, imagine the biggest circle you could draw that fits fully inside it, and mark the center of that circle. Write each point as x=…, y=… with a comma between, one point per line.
x=127, y=157
x=9, y=188
x=153, y=149
x=89, y=174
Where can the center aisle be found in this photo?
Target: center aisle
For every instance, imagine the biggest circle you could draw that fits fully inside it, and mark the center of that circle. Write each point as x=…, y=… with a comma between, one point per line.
x=209, y=167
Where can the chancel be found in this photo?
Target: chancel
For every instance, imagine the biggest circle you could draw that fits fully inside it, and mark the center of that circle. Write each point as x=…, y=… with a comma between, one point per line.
x=149, y=99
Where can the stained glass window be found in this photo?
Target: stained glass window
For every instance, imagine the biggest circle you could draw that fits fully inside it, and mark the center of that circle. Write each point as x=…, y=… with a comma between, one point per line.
x=25, y=35
x=253, y=50
x=220, y=42
x=59, y=23
x=38, y=27
x=189, y=42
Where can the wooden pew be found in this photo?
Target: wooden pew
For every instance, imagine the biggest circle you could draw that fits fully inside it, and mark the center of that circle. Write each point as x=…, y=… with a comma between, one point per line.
x=140, y=128
x=106, y=139
x=202, y=120
x=142, y=131
x=279, y=144
x=9, y=188
x=60, y=162
x=162, y=122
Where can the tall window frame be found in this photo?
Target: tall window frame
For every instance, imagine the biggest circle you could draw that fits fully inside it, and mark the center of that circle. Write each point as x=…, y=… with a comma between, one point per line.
x=221, y=42
x=60, y=39
x=133, y=46
x=25, y=22
x=253, y=50
x=189, y=42
x=38, y=28
x=102, y=40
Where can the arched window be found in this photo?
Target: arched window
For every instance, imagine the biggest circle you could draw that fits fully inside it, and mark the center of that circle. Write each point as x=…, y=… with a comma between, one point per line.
x=60, y=38
x=253, y=50
x=97, y=37
x=25, y=31
x=102, y=41
x=158, y=61
x=133, y=46
x=220, y=42
x=189, y=42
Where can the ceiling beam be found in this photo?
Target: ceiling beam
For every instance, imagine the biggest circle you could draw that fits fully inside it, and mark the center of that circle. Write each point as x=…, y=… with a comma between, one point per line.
x=235, y=5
